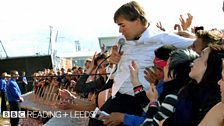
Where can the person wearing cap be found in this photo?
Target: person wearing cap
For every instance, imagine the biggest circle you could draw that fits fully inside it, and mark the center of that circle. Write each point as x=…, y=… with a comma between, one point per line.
x=3, y=91
x=14, y=96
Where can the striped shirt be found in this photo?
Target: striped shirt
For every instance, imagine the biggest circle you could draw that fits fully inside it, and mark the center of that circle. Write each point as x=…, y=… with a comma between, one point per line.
x=166, y=109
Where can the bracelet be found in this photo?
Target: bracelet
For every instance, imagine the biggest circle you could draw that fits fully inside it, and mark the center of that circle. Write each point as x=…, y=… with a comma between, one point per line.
x=153, y=104
x=138, y=89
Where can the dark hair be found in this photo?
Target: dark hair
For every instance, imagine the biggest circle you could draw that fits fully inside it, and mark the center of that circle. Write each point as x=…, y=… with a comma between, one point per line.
x=180, y=63
x=99, y=57
x=80, y=68
x=74, y=67
x=200, y=96
x=214, y=67
x=131, y=11
x=207, y=90
x=163, y=52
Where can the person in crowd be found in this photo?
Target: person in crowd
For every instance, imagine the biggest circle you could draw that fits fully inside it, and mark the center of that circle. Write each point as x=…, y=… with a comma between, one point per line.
x=80, y=71
x=14, y=96
x=141, y=41
x=3, y=83
x=35, y=81
x=7, y=78
x=98, y=66
x=63, y=74
x=175, y=77
x=46, y=81
x=87, y=64
x=200, y=95
x=69, y=70
x=156, y=74
x=70, y=83
x=24, y=82
x=75, y=73
x=82, y=88
x=215, y=116
x=204, y=38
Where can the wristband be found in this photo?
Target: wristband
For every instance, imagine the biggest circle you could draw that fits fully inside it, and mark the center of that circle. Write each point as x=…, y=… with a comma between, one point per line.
x=138, y=89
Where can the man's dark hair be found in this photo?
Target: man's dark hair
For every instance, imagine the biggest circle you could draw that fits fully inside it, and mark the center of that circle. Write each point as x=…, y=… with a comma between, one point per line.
x=180, y=62
x=163, y=52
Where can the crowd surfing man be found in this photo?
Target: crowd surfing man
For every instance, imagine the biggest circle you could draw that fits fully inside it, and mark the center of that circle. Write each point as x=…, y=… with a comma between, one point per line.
x=141, y=41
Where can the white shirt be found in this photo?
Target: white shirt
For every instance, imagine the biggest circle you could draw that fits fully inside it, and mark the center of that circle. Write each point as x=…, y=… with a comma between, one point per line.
x=142, y=52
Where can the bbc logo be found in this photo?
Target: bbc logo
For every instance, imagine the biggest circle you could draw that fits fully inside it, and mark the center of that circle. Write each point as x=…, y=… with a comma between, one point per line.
x=14, y=114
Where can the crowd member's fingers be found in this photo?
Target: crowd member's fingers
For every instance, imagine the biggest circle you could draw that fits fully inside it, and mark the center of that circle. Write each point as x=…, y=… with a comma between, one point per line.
x=150, y=75
x=115, y=55
x=134, y=74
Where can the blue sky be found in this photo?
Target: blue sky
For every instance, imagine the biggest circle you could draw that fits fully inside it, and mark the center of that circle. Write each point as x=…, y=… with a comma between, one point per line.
x=24, y=24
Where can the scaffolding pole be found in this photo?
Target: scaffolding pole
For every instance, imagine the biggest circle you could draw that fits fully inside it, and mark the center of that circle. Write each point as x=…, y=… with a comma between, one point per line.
x=4, y=49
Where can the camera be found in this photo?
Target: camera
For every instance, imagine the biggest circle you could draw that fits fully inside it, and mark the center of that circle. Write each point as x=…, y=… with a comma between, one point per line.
x=198, y=28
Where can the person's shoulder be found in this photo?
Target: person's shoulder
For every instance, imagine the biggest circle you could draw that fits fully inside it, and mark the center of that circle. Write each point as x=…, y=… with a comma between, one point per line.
x=12, y=81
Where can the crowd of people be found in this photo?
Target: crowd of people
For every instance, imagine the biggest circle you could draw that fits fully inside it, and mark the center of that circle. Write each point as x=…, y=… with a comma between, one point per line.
x=158, y=78
x=11, y=93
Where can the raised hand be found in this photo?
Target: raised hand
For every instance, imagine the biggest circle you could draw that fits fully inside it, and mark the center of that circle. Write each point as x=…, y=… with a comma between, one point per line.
x=152, y=93
x=193, y=30
x=115, y=55
x=185, y=24
x=92, y=65
x=159, y=25
x=103, y=48
x=150, y=76
x=134, y=74
x=177, y=27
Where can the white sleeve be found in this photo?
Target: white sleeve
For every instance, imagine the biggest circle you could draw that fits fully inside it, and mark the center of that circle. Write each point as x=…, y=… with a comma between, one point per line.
x=176, y=40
